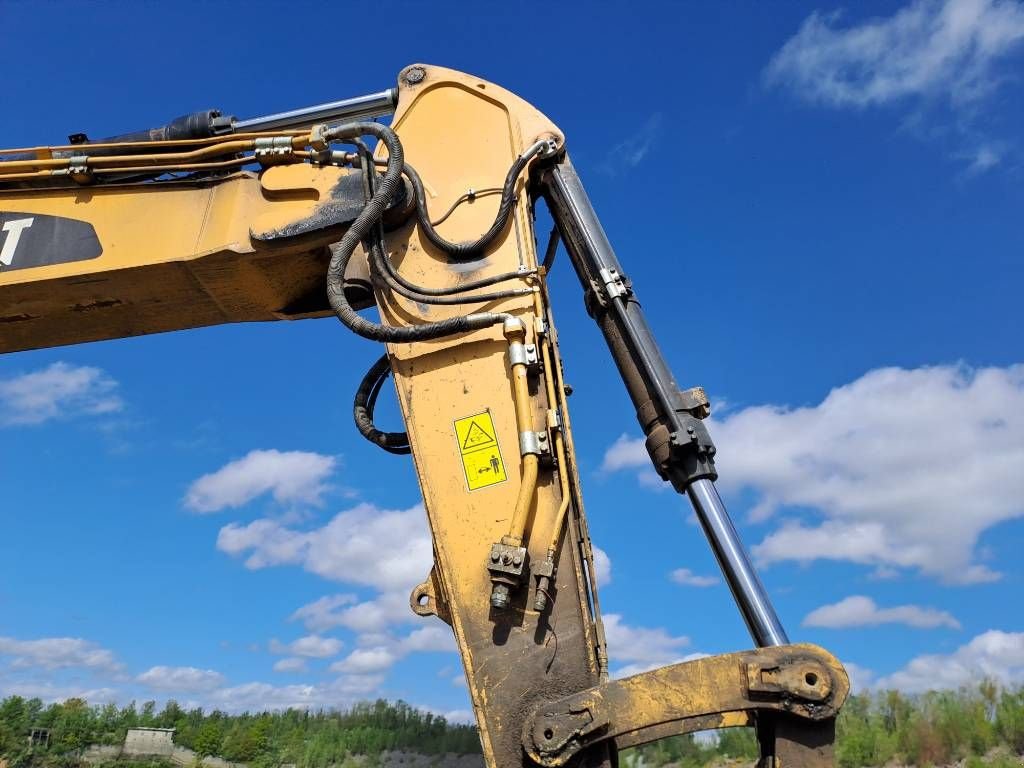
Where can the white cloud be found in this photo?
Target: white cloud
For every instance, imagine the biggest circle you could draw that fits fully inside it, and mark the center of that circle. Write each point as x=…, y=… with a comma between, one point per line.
x=861, y=678
x=181, y=679
x=602, y=566
x=310, y=647
x=292, y=477
x=907, y=468
x=688, y=578
x=290, y=664
x=59, y=390
x=625, y=453
x=643, y=645
x=380, y=651
x=366, y=660
x=939, y=60
x=322, y=614
x=949, y=50
x=386, y=549
x=259, y=696
x=373, y=615
x=632, y=150
x=993, y=654
x=861, y=611
x=58, y=653
x=48, y=691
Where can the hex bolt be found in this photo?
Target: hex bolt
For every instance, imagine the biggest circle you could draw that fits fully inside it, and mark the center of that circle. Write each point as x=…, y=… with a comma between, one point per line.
x=500, y=596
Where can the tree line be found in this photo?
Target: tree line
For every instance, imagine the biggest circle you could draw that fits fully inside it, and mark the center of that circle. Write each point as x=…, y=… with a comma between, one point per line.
x=889, y=727
x=309, y=739
x=874, y=729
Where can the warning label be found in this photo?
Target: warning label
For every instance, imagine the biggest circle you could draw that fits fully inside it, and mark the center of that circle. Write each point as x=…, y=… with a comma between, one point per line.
x=478, y=445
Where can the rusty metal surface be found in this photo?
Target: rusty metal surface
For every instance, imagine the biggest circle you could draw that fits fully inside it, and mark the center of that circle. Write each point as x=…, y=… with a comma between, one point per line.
x=518, y=657
x=803, y=682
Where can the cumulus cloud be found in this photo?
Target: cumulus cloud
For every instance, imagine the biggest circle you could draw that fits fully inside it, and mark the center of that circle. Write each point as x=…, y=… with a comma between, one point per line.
x=940, y=58
x=310, y=647
x=861, y=678
x=886, y=464
x=58, y=391
x=602, y=566
x=290, y=664
x=949, y=49
x=366, y=660
x=381, y=650
x=386, y=549
x=688, y=578
x=260, y=696
x=374, y=615
x=991, y=655
x=644, y=647
x=49, y=691
x=181, y=679
x=861, y=611
x=291, y=477
x=58, y=653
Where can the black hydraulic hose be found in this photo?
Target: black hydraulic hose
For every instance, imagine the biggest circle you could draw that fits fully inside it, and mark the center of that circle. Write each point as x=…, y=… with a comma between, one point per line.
x=472, y=250
x=384, y=269
x=364, y=404
x=469, y=285
x=358, y=231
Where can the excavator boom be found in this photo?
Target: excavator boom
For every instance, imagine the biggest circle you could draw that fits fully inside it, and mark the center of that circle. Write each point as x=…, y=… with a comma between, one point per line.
x=214, y=220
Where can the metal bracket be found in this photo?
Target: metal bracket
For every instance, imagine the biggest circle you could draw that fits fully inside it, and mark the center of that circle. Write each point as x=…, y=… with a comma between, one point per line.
x=695, y=400
x=615, y=284
x=534, y=442
x=802, y=682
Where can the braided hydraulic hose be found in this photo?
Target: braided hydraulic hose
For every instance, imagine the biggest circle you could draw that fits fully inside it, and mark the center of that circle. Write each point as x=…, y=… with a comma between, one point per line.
x=475, y=249
x=384, y=269
x=362, y=410
x=361, y=227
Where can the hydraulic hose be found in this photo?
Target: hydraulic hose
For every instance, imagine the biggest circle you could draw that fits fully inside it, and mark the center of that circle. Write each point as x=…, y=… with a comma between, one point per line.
x=468, y=251
x=364, y=404
x=358, y=231
x=384, y=269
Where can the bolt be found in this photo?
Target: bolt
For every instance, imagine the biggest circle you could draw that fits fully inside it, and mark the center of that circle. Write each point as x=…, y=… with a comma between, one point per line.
x=500, y=596
x=517, y=560
x=494, y=557
x=415, y=75
x=506, y=558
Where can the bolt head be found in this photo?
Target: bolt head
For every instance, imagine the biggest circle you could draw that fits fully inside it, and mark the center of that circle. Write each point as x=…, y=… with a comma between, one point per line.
x=500, y=596
x=415, y=75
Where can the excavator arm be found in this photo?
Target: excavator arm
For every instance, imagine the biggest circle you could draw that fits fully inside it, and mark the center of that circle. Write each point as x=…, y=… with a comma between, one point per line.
x=212, y=220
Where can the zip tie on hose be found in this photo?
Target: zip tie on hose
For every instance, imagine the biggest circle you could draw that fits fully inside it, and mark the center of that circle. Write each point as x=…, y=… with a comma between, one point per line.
x=358, y=231
x=364, y=404
x=475, y=249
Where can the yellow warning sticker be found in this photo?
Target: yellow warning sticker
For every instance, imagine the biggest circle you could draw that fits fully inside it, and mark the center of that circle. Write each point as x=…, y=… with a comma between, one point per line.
x=478, y=446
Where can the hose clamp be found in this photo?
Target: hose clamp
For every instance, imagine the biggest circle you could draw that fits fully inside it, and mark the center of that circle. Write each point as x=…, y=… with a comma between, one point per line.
x=534, y=442
x=614, y=283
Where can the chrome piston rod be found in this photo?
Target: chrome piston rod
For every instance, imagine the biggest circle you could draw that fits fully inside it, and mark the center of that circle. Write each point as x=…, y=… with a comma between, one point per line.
x=676, y=436
x=357, y=108
x=746, y=587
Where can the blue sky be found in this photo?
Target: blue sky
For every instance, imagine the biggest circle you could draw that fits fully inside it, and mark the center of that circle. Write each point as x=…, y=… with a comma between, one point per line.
x=820, y=209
